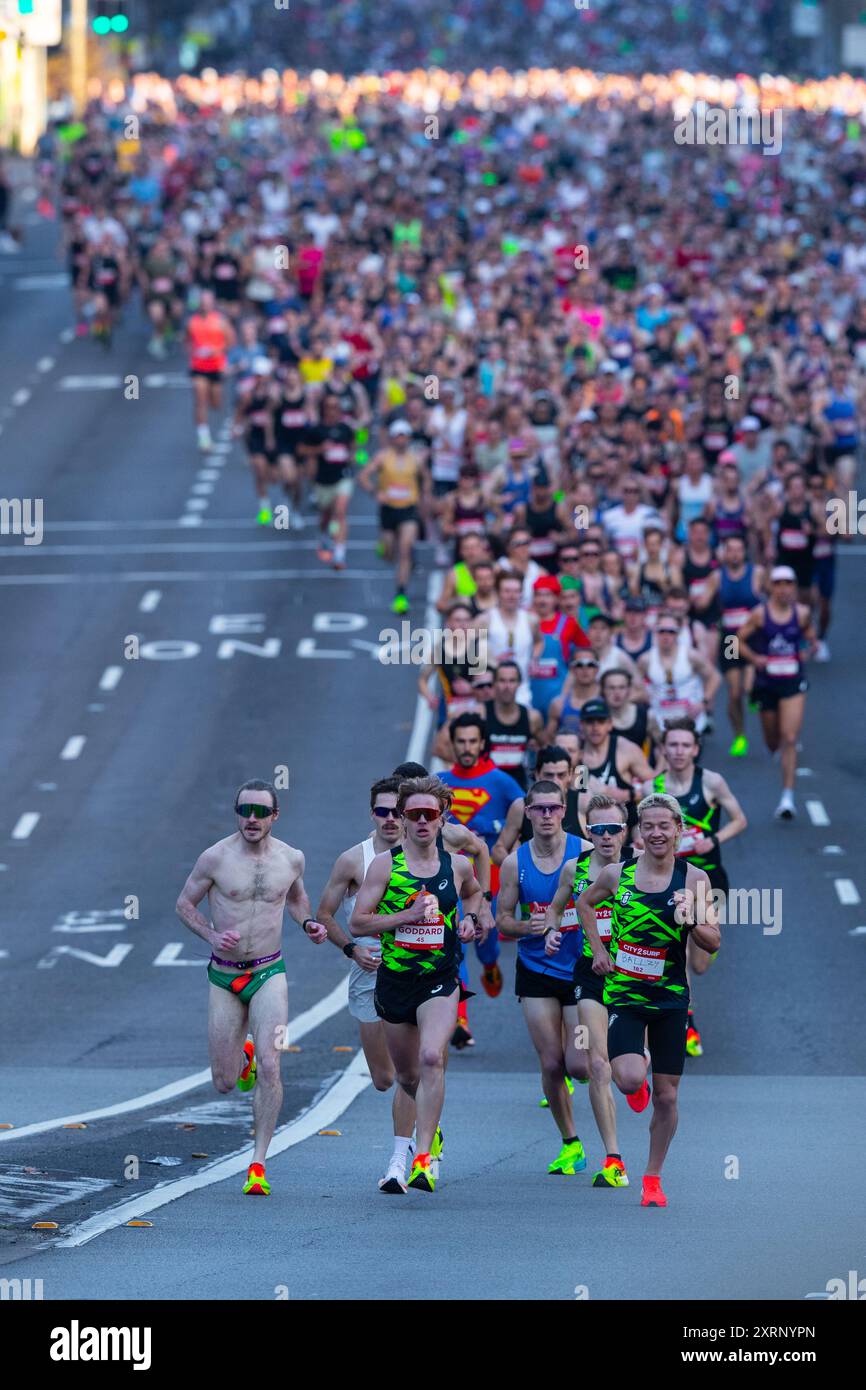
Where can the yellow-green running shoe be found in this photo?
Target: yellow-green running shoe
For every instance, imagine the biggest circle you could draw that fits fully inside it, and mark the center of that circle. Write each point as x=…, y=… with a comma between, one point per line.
x=247, y=1078
x=265, y=516
x=437, y=1148
x=570, y=1159
x=544, y=1103
x=400, y=604
x=613, y=1174
x=421, y=1176
x=740, y=747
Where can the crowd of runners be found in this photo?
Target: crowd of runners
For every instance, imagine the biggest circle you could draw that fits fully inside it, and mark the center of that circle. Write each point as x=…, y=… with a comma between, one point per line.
x=607, y=385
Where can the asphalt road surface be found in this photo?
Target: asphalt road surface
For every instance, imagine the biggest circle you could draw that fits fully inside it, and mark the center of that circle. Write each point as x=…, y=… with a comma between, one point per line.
x=118, y=771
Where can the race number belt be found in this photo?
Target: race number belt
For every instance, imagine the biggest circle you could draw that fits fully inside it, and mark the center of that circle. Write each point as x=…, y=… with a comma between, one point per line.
x=246, y=964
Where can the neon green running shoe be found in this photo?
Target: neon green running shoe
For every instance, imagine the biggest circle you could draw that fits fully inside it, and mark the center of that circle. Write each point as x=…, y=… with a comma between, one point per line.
x=421, y=1176
x=570, y=1159
x=437, y=1149
x=400, y=604
x=544, y=1103
x=247, y=1078
x=379, y=548
x=613, y=1174
x=265, y=516
x=740, y=746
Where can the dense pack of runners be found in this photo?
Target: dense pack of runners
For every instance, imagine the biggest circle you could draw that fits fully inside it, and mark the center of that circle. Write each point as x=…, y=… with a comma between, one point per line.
x=530, y=332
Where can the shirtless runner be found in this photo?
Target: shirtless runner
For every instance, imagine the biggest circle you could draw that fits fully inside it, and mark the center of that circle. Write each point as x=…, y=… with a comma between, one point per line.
x=249, y=878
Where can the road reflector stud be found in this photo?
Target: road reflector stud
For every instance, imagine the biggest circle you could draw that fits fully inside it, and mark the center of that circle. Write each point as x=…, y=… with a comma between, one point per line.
x=7, y=1126
x=44, y=1226
x=330, y=1131
x=293, y=1047
x=200, y=1155
x=76, y=1126
x=344, y=1049
x=139, y=1223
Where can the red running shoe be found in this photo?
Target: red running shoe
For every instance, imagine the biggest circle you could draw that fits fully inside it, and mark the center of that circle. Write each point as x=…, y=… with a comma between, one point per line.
x=652, y=1195
x=491, y=979
x=639, y=1100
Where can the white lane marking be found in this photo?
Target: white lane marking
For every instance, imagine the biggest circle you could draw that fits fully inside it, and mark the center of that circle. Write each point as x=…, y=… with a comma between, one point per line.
x=67, y=335
x=832, y=849
x=42, y=282
x=89, y=383
x=333, y=1103
x=26, y=1197
x=150, y=601
x=172, y=379
x=21, y=396
x=187, y=547
x=298, y=1028
x=191, y=519
x=201, y=489
x=196, y=504
x=25, y=825
x=45, y=364
x=846, y=892
x=110, y=677
x=805, y=772
x=219, y=1111
x=220, y=448
x=817, y=813
x=857, y=931
x=217, y=524
x=193, y=576
x=422, y=725
x=72, y=747
x=207, y=475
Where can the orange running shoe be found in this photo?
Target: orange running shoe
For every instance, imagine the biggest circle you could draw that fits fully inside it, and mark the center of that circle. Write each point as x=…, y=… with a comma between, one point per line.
x=639, y=1100
x=247, y=1078
x=257, y=1184
x=491, y=979
x=651, y=1194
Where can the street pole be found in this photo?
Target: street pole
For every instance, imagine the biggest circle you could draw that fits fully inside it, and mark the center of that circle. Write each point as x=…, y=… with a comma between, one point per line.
x=78, y=56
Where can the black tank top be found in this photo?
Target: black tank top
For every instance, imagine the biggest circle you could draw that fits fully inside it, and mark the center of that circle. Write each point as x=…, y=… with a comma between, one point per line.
x=637, y=731
x=508, y=743
x=694, y=577
x=795, y=541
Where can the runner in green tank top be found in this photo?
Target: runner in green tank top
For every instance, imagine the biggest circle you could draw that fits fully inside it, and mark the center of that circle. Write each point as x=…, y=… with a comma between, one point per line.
x=657, y=902
x=409, y=899
x=606, y=826
x=703, y=796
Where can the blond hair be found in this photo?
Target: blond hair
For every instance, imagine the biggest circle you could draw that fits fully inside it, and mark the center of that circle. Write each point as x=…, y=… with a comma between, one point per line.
x=664, y=802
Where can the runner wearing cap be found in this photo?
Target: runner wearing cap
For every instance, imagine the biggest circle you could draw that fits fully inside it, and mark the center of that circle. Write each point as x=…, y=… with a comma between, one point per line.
x=400, y=479
x=775, y=638
x=752, y=454
x=613, y=764
x=561, y=635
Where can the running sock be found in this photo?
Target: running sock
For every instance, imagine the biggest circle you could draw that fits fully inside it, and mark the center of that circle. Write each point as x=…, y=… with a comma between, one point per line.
x=574, y=1140
x=618, y=1157
x=401, y=1149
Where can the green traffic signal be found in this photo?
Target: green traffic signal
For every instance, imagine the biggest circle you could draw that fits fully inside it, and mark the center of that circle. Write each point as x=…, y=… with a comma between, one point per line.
x=25, y=6
x=120, y=23
x=101, y=24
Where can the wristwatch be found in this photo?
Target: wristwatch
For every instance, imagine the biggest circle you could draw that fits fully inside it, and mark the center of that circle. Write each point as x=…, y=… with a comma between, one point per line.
x=488, y=896
x=349, y=948
x=473, y=915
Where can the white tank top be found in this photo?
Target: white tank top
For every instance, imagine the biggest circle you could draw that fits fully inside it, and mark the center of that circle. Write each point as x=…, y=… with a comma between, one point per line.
x=670, y=697
x=511, y=641
x=369, y=855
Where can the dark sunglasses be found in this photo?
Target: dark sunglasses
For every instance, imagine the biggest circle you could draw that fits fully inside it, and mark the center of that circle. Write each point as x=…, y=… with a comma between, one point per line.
x=250, y=808
x=383, y=812
x=570, y=559
x=670, y=631
x=483, y=685
x=526, y=542
x=583, y=665
x=591, y=554
x=422, y=813
x=606, y=828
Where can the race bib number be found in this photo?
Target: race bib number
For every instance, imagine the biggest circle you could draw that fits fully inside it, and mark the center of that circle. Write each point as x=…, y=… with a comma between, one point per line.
x=697, y=588
x=734, y=617
x=397, y=493
x=674, y=709
x=543, y=670
x=162, y=285
x=794, y=540
x=781, y=666
x=603, y=923
x=640, y=962
x=421, y=936
x=293, y=419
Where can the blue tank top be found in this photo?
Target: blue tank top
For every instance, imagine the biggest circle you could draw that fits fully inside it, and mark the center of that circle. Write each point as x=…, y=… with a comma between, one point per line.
x=514, y=491
x=737, y=598
x=547, y=674
x=841, y=409
x=569, y=717
x=780, y=643
x=536, y=890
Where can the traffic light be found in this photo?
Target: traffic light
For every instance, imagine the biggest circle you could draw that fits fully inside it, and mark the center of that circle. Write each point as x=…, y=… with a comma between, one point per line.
x=25, y=6
x=110, y=17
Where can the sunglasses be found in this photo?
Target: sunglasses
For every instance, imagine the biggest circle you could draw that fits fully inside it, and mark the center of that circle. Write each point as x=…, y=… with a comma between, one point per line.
x=583, y=665
x=591, y=554
x=668, y=631
x=422, y=813
x=606, y=828
x=483, y=685
x=383, y=812
x=557, y=810
x=571, y=559
x=526, y=542
x=249, y=808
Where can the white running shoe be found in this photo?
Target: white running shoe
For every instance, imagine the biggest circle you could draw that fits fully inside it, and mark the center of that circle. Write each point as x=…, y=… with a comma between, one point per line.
x=296, y=521
x=822, y=652
x=204, y=439
x=394, y=1181
x=786, y=810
